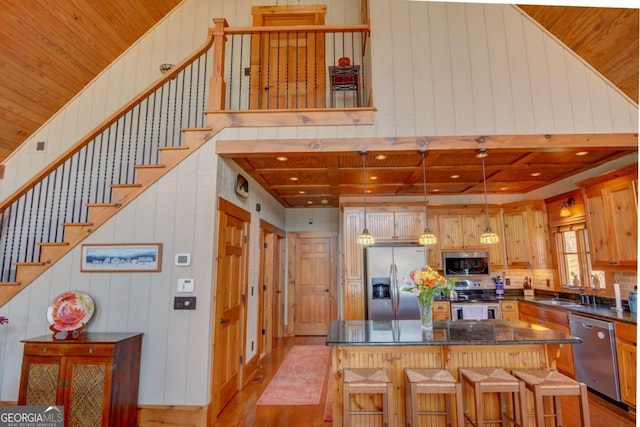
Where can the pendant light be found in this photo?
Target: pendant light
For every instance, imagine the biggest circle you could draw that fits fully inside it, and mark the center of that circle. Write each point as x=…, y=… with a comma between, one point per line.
x=427, y=237
x=488, y=237
x=365, y=238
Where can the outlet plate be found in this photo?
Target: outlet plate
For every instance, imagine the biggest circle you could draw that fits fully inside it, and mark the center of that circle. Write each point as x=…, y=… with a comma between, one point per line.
x=184, y=303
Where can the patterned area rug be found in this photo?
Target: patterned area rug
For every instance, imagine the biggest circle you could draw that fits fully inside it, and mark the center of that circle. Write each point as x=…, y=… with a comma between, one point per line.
x=300, y=379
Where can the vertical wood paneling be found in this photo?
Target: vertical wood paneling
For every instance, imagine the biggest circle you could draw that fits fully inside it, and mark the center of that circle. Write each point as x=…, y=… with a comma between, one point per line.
x=503, y=113
x=578, y=91
x=558, y=83
x=480, y=69
x=440, y=56
x=519, y=71
x=538, y=74
x=401, y=78
x=422, y=69
x=460, y=69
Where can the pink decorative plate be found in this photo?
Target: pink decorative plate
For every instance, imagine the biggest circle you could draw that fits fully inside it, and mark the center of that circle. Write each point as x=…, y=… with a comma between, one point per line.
x=70, y=311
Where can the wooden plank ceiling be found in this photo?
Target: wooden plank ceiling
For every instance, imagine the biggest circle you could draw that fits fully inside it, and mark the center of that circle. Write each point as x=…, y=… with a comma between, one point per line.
x=297, y=179
x=51, y=49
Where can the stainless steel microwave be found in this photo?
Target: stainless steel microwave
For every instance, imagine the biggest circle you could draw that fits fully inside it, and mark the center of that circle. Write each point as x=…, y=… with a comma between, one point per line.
x=465, y=263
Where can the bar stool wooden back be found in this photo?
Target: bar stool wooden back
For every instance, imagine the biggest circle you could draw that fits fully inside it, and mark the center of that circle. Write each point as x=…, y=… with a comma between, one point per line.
x=366, y=381
x=549, y=382
x=432, y=381
x=494, y=380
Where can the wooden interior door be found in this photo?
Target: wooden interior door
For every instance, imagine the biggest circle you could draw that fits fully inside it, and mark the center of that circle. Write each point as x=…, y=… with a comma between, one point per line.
x=313, y=277
x=230, y=316
x=288, y=67
x=271, y=309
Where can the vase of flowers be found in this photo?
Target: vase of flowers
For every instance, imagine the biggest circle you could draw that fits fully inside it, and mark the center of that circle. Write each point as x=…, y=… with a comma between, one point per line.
x=425, y=283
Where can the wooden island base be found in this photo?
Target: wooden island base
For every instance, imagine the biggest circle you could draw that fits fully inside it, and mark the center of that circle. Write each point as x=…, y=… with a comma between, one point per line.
x=396, y=357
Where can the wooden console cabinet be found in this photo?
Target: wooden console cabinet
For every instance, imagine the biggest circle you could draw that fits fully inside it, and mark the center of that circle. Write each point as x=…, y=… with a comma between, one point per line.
x=96, y=377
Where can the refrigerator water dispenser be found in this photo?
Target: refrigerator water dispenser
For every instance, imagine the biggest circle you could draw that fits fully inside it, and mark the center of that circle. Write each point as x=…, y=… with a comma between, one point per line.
x=380, y=288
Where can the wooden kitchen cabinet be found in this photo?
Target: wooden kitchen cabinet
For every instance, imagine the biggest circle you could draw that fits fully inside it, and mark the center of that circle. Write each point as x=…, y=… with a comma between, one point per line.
x=509, y=309
x=557, y=320
x=612, y=217
x=460, y=228
x=353, y=267
x=626, y=348
x=95, y=378
x=395, y=223
x=526, y=235
x=441, y=310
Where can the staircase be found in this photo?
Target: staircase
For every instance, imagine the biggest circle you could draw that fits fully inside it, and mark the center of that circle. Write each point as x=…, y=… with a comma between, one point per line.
x=91, y=182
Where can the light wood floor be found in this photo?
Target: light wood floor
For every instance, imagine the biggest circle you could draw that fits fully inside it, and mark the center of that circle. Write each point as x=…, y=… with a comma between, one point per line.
x=242, y=410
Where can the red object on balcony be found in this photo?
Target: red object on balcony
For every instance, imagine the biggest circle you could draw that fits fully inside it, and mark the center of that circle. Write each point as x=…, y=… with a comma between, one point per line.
x=344, y=62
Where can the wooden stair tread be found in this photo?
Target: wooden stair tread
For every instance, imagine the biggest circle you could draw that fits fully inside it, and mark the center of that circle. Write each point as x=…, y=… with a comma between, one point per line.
x=53, y=243
x=37, y=264
x=207, y=129
x=149, y=166
x=77, y=224
x=126, y=185
x=9, y=283
x=176, y=148
x=105, y=205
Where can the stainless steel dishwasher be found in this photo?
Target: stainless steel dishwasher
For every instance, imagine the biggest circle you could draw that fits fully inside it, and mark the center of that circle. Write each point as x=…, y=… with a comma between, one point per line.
x=595, y=358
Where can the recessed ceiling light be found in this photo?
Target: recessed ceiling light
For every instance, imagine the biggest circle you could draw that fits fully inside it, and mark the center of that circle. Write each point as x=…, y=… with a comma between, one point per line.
x=536, y=173
x=373, y=178
x=381, y=157
x=582, y=153
x=324, y=201
x=282, y=158
x=310, y=202
x=435, y=190
x=302, y=192
x=368, y=191
x=454, y=176
x=503, y=188
x=294, y=178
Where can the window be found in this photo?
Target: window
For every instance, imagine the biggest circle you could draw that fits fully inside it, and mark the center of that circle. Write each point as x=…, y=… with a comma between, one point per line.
x=574, y=257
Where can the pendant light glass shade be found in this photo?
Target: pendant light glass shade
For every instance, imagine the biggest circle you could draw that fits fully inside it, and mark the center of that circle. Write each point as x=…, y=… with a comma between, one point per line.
x=365, y=238
x=488, y=237
x=427, y=237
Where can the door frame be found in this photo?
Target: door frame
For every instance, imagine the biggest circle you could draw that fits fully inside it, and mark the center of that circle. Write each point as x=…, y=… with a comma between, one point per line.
x=291, y=288
x=227, y=208
x=271, y=289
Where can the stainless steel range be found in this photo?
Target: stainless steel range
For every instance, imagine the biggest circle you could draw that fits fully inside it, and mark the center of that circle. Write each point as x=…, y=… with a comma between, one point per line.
x=475, y=300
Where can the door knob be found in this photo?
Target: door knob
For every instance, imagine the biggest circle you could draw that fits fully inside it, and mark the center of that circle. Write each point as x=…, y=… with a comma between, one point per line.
x=223, y=321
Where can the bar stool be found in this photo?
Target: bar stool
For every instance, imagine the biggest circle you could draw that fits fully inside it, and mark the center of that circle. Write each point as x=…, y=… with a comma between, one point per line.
x=494, y=380
x=549, y=382
x=366, y=381
x=432, y=381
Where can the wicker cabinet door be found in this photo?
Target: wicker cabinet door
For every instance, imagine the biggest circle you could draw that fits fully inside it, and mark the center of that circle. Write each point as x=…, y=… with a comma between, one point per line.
x=40, y=380
x=88, y=391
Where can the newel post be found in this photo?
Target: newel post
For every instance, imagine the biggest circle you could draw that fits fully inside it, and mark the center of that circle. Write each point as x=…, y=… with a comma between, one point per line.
x=217, y=84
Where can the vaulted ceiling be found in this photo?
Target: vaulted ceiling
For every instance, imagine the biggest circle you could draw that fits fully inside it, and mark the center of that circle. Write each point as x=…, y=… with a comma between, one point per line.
x=50, y=49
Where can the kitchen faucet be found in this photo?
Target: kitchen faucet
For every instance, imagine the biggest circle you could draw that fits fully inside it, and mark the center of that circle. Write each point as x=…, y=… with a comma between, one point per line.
x=584, y=298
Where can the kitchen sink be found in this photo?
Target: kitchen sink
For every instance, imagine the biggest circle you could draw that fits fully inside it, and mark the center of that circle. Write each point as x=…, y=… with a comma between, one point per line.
x=560, y=302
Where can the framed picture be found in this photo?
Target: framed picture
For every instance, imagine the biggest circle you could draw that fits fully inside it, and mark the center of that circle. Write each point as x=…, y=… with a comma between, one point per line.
x=125, y=258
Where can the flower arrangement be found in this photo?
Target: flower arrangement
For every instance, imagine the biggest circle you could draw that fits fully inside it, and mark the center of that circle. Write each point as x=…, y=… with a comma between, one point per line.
x=425, y=283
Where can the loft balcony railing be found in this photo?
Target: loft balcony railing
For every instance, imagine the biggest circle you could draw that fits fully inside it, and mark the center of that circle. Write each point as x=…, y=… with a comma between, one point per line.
x=287, y=68
x=266, y=68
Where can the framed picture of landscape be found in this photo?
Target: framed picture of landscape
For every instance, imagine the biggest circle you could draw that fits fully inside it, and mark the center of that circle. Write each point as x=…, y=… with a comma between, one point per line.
x=124, y=258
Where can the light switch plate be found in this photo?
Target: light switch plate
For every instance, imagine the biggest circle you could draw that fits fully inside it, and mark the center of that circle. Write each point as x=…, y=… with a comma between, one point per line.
x=185, y=285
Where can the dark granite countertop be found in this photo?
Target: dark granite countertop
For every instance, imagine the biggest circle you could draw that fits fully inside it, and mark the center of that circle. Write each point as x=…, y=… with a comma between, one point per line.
x=445, y=332
x=599, y=311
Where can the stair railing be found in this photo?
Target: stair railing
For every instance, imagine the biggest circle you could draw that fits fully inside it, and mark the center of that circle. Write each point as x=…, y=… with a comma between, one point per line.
x=84, y=174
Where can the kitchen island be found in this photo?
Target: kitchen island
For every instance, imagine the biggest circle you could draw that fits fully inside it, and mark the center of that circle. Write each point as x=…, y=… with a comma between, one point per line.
x=399, y=344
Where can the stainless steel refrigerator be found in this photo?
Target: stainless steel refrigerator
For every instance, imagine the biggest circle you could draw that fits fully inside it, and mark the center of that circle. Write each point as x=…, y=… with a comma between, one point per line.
x=386, y=269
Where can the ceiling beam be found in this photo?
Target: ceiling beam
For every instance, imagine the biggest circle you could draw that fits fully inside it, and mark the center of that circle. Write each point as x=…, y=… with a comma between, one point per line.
x=330, y=146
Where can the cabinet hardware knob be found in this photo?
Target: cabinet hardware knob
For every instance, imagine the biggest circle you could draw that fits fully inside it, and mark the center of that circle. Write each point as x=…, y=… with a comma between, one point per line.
x=91, y=350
